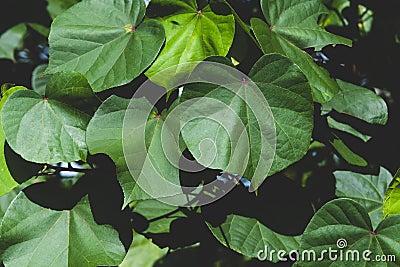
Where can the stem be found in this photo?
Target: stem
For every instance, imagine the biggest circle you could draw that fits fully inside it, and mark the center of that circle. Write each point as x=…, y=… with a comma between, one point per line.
x=69, y=168
x=242, y=24
x=224, y=236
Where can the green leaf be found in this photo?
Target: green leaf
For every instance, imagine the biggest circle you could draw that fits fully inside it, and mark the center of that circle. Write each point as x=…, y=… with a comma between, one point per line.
x=358, y=102
x=143, y=253
x=289, y=97
x=39, y=79
x=323, y=86
x=344, y=225
x=348, y=155
x=347, y=128
x=105, y=41
x=50, y=128
x=56, y=7
x=105, y=133
x=248, y=236
x=191, y=35
x=35, y=236
x=391, y=203
x=12, y=40
x=367, y=190
x=7, y=182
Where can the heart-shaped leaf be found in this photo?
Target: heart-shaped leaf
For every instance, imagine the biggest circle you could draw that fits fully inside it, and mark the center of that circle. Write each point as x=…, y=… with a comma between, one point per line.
x=367, y=190
x=104, y=40
x=50, y=128
x=289, y=98
x=343, y=227
x=292, y=26
x=56, y=238
x=192, y=33
x=249, y=237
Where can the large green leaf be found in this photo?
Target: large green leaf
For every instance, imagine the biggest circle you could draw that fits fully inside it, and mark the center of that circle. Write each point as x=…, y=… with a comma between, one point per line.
x=104, y=40
x=50, y=128
x=358, y=102
x=391, y=203
x=191, y=34
x=367, y=190
x=292, y=26
x=7, y=182
x=289, y=97
x=248, y=236
x=344, y=225
x=142, y=253
x=35, y=236
x=104, y=135
x=11, y=40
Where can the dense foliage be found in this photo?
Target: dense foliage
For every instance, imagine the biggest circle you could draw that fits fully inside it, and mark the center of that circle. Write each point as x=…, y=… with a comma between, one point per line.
x=271, y=102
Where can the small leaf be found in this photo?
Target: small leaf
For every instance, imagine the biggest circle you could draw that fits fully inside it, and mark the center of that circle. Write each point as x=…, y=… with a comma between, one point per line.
x=348, y=155
x=152, y=209
x=344, y=225
x=391, y=204
x=192, y=33
x=248, y=236
x=56, y=238
x=105, y=41
x=367, y=190
x=347, y=128
x=56, y=7
x=12, y=40
x=142, y=253
x=39, y=80
x=50, y=128
x=42, y=30
x=358, y=102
